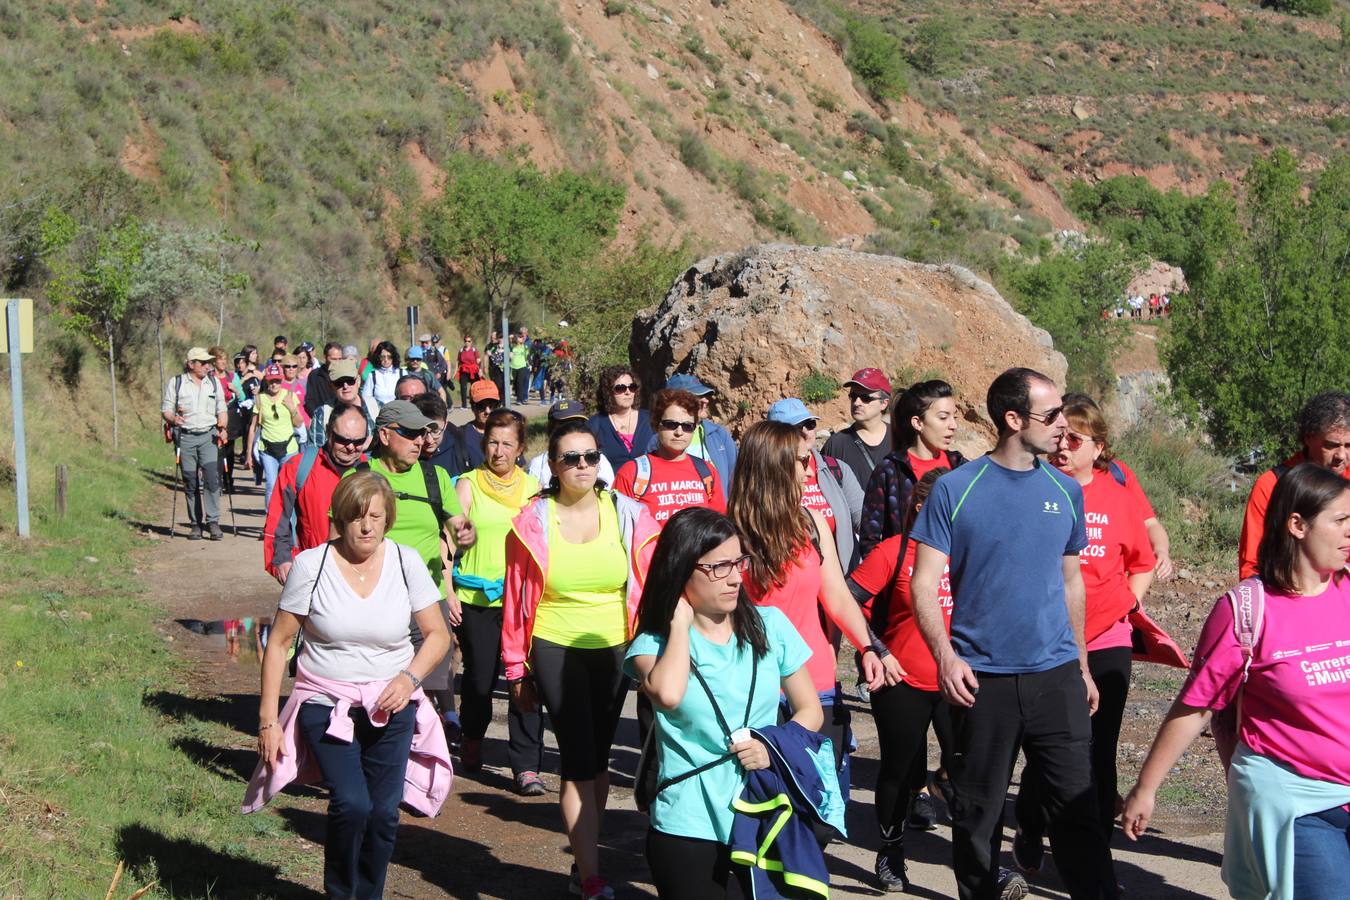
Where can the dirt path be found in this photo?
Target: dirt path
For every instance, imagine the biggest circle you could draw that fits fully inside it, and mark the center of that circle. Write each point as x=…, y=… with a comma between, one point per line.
x=489, y=843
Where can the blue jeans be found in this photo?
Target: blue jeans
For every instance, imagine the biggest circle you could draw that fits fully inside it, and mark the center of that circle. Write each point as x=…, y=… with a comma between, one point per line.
x=1321, y=854
x=365, y=783
x=270, y=467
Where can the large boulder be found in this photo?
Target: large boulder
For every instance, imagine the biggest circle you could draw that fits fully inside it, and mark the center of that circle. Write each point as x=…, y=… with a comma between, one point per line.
x=755, y=324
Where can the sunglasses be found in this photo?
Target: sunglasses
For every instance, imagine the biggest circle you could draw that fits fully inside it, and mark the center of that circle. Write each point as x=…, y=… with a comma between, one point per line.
x=677, y=426
x=344, y=382
x=572, y=459
x=626, y=388
x=1046, y=417
x=347, y=441
x=859, y=397
x=718, y=571
x=486, y=404
x=808, y=425
x=1074, y=441
x=412, y=434
x=805, y=461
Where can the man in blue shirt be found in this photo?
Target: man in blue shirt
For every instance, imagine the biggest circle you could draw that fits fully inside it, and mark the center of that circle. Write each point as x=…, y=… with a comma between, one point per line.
x=1014, y=669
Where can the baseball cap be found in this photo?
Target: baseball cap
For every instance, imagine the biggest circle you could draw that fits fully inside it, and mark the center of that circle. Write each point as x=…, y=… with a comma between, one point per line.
x=199, y=354
x=688, y=383
x=483, y=390
x=414, y=353
x=566, y=409
x=402, y=414
x=424, y=337
x=342, y=368
x=870, y=380
x=271, y=372
x=790, y=411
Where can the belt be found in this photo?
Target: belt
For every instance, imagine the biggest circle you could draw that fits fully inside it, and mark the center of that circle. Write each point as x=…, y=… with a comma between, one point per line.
x=203, y=431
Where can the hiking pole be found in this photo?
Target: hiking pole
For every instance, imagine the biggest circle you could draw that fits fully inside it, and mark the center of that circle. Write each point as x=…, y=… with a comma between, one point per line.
x=173, y=520
x=234, y=523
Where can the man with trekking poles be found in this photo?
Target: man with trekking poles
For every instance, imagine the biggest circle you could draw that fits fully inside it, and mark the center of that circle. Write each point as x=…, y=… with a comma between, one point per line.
x=196, y=420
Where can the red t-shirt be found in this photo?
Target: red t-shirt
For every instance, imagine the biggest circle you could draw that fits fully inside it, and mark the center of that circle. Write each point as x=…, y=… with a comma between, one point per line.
x=812, y=498
x=883, y=569
x=799, y=600
x=1136, y=491
x=1117, y=548
x=673, y=486
x=922, y=467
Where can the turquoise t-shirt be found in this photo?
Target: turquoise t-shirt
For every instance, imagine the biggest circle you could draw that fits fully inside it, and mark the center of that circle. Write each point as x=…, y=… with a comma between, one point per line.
x=688, y=736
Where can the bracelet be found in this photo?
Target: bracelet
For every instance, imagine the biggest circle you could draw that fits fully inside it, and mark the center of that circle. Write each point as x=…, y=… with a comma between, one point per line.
x=262, y=728
x=417, y=682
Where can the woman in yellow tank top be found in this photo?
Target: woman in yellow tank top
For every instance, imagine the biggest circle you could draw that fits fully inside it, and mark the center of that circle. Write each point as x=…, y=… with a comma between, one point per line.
x=492, y=495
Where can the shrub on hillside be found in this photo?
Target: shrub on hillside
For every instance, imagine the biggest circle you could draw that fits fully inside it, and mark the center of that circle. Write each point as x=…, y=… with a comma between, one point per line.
x=1300, y=7
x=873, y=54
x=934, y=46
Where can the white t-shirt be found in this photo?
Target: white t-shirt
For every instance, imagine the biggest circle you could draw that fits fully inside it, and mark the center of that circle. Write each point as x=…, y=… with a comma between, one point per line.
x=350, y=639
x=540, y=470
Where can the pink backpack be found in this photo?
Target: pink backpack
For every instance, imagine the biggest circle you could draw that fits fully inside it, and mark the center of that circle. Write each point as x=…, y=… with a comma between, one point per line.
x=1248, y=600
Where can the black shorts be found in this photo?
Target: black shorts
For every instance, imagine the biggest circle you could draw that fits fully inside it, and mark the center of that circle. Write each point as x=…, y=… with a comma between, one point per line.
x=583, y=691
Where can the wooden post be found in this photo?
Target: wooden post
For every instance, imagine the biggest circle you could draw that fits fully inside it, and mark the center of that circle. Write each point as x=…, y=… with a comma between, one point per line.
x=61, y=492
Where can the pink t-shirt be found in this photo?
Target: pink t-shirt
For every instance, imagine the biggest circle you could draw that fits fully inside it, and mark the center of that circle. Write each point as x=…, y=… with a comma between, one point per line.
x=799, y=600
x=1296, y=702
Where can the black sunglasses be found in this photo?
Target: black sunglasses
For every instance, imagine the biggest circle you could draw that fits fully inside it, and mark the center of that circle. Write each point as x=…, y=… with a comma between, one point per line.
x=674, y=425
x=412, y=434
x=487, y=404
x=627, y=388
x=808, y=424
x=857, y=396
x=1048, y=416
x=344, y=382
x=572, y=459
x=346, y=441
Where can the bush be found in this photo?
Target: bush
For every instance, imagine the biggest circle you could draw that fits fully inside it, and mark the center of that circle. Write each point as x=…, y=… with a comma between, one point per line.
x=817, y=387
x=1300, y=7
x=935, y=46
x=873, y=54
x=696, y=155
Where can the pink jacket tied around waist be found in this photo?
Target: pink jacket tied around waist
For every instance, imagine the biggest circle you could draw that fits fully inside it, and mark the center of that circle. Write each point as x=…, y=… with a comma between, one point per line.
x=429, y=776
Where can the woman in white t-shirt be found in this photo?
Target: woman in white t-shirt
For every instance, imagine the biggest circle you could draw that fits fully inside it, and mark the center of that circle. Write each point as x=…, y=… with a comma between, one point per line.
x=354, y=596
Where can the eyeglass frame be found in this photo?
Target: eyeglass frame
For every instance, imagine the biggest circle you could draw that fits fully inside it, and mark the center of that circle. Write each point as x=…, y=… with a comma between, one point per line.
x=741, y=563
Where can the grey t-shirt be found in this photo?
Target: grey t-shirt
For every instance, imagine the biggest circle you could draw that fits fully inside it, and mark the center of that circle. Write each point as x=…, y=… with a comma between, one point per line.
x=348, y=638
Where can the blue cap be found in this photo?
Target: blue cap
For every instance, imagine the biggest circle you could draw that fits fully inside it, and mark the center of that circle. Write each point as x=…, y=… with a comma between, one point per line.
x=790, y=411
x=688, y=383
x=414, y=353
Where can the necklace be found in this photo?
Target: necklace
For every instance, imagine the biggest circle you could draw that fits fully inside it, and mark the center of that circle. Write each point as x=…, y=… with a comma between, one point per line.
x=356, y=570
x=626, y=425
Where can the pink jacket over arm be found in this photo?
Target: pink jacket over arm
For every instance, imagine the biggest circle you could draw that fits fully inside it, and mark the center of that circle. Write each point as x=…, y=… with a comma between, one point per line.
x=429, y=776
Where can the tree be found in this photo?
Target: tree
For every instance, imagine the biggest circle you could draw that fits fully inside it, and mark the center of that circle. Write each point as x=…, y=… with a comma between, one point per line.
x=93, y=273
x=873, y=54
x=1263, y=327
x=934, y=46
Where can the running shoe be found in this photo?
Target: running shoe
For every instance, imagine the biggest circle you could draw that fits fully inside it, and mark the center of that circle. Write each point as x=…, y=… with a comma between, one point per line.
x=529, y=784
x=1011, y=885
x=595, y=888
x=890, y=868
x=471, y=754
x=1028, y=852
x=922, y=815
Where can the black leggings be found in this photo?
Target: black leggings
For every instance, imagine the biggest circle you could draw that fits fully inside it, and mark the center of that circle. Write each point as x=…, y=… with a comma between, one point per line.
x=685, y=868
x=464, y=384
x=902, y=714
x=583, y=691
x=480, y=643
x=1110, y=670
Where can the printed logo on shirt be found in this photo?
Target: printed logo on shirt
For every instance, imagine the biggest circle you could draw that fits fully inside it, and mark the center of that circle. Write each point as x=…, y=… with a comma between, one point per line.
x=673, y=496
x=1051, y=507
x=1328, y=671
x=1285, y=654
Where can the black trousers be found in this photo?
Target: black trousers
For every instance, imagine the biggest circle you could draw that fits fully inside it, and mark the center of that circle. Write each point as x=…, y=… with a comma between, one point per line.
x=480, y=645
x=902, y=714
x=1044, y=714
x=464, y=383
x=1110, y=669
x=685, y=868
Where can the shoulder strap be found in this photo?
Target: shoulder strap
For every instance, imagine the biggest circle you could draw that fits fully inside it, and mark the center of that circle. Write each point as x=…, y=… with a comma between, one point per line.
x=704, y=474
x=307, y=458
x=835, y=468
x=721, y=720
x=1116, y=472
x=866, y=452
x=881, y=602
x=362, y=466
x=1279, y=471
x=399, y=549
x=642, y=478
x=1248, y=600
x=433, y=485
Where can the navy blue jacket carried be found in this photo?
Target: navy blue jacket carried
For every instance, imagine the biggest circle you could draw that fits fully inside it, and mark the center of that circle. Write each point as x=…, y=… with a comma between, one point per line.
x=773, y=830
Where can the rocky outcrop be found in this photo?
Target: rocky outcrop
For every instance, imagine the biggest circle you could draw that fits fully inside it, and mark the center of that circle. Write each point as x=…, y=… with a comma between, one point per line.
x=755, y=324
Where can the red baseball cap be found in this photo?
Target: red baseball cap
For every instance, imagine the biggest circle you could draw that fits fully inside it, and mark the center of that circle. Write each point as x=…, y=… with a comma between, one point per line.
x=870, y=380
x=271, y=372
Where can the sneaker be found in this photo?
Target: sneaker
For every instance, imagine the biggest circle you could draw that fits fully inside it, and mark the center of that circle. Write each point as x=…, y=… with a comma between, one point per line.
x=1028, y=852
x=944, y=787
x=1011, y=885
x=471, y=754
x=529, y=784
x=596, y=888
x=453, y=731
x=890, y=868
x=195, y=533
x=214, y=529
x=922, y=815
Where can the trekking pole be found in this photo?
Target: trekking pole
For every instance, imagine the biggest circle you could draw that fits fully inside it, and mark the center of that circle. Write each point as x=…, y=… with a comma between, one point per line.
x=234, y=523
x=173, y=519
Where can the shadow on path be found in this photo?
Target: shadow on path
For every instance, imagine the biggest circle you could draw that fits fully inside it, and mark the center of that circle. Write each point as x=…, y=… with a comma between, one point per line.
x=186, y=868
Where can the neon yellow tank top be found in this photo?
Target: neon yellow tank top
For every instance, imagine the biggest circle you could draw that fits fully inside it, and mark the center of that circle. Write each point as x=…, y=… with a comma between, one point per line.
x=585, y=599
x=492, y=520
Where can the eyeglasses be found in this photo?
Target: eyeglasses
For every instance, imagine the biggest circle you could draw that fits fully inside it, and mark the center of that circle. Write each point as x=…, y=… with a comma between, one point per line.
x=805, y=461
x=859, y=397
x=1074, y=440
x=412, y=434
x=572, y=459
x=676, y=425
x=347, y=441
x=808, y=425
x=344, y=382
x=486, y=404
x=719, y=570
x=626, y=387
x=1048, y=416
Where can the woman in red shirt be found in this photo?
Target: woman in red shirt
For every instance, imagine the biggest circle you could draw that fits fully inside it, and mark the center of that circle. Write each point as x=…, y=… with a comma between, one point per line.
x=1117, y=570
x=469, y=370
x=670, y=478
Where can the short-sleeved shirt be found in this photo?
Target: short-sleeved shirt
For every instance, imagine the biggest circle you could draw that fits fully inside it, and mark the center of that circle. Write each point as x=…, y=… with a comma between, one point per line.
x=491, y=521
x=922, y=467
x=883, y=570
x=798, y=598
x=274, y=420
x=201, y=403
x=689, y=735
x=1296, y=701
x=1117, y=548
x=348, y=638
x=672, y=486
x=415, y=523
x=1136, y=490
x=857, y=454
x=1006, y=532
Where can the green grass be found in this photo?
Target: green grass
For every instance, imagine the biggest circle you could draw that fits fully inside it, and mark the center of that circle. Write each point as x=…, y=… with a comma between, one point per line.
x=98, y=743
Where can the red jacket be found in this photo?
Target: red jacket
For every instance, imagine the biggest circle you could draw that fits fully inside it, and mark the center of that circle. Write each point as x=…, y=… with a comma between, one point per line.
x=280, y=542
x=527, y=570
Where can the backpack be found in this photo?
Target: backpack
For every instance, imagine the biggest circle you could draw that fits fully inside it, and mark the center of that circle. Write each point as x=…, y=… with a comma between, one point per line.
x=835, y=469
x=171, y=431
x=433, y=485
x=642, y=479
x=1116, y=472
x=1248, y=601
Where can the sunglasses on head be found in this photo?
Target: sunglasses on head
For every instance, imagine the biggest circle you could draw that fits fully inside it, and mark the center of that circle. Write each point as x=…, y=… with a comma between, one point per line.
x=626, y=388
x=676, y=425
x=571, y=459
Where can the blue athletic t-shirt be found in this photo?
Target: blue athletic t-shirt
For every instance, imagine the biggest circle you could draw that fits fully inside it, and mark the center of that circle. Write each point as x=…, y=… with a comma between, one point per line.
x=1006, y=533
x=689, y=736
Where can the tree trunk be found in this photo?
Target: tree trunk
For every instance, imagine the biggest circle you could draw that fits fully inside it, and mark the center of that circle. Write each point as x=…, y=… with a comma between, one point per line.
x=112, y=381
x=159, y=344
x=220, y=321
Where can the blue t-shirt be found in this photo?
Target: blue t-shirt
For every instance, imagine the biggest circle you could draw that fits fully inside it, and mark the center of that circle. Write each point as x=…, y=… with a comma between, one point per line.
x=1006, y=533
x=688, y=736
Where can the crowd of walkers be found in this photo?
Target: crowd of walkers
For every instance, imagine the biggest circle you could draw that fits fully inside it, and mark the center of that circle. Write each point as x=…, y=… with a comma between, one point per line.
x=998, y=601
